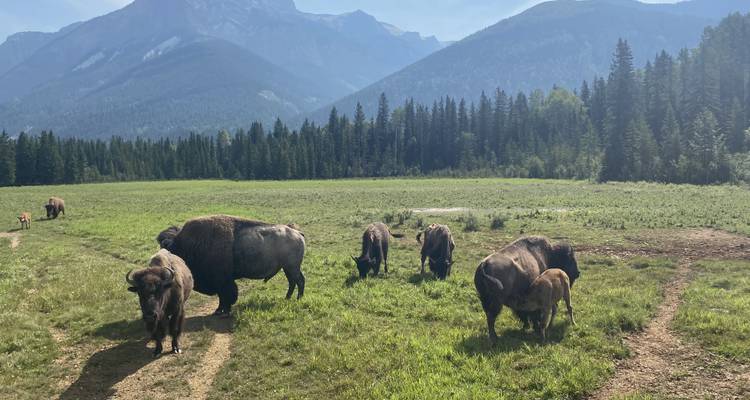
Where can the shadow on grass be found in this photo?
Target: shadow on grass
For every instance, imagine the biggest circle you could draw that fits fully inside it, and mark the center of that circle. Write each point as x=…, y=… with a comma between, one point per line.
x=418, y=278
x=511, y=340
x=14, y=230
x=127, y=330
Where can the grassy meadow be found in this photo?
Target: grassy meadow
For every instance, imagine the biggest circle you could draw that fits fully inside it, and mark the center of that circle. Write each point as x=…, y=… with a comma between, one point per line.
x=66, y=311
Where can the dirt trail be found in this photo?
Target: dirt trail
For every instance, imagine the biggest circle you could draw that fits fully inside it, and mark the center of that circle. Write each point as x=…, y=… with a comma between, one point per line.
x=15, y=238
x=125, y=371
x=661, y=362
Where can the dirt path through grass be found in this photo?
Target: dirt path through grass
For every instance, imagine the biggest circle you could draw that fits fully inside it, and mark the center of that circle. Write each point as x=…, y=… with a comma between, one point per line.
x=661, y=362
x=15, y=239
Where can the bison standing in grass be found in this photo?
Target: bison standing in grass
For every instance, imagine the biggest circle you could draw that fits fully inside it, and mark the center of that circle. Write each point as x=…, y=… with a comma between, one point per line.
x=438, y=246
x=163, y=288
x=375, y=242
x=220, y=249
x=505, y=277
x=25, y=220
x=54, y=207
x=545, y=292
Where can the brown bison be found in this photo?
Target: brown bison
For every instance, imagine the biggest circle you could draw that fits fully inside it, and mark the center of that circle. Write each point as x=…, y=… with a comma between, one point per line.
x=163, y=288
x=438, y=246
x=220, y=249
x=25, y=220
x=54, y=207
x=545, y=292
x=505, y=277
x=374, y=249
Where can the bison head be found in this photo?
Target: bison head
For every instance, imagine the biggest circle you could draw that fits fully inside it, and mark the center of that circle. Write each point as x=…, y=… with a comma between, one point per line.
x=152, y=286
x=564, y=257
x=441, y=267
x=51, y=211
x=166, y=237
x=364, y=265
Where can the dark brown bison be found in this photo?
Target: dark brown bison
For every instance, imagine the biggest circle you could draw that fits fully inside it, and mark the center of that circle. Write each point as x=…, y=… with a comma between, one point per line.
x=545, y=292
x=375, y=242
x=163, y=288
x=25, y=220
x=54, y=207
x=438, y=247
x=504, y=278
x=220, y=249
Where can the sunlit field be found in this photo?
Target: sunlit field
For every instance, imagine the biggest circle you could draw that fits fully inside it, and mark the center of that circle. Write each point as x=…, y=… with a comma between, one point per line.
x=70, y=326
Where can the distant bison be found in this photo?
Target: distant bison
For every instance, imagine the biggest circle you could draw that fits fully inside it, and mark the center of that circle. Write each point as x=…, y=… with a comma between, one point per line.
x=375, y=242
x=438, y=246
x=163, y=288
x=25, y=220
x=54, y=207
x=505, y=277
x=545, y=292
x=220, y=249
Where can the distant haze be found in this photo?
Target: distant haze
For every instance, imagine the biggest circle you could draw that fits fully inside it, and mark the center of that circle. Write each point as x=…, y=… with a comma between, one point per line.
x=447, y=19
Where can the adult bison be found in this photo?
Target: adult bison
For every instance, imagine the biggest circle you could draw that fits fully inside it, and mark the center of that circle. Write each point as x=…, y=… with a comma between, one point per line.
x=505, y=277
x=375, y=243
x=54, y=207
x=438, y=247
x=163, y=288
x=220, y=249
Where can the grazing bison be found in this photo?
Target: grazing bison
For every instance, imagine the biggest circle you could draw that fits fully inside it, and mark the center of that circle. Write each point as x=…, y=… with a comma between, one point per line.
x=163, y=288
x=54, y=207
x=374, y=249
x=25, y=220
x=220, y=249
x=438, y=246
x=504, y=278
x=544, y=294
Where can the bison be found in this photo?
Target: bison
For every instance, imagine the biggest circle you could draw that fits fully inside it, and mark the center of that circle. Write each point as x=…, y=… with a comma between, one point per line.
x=54, y=207
x=545, y=292
x=374, y=249
x=438, y=246
x=25, y=220
x=163, y=288
x=220, y=249
x=505, y=277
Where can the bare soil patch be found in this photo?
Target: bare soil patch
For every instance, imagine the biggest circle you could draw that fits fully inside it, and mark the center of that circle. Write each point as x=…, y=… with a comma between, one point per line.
x=662, y=362
x=15, y=238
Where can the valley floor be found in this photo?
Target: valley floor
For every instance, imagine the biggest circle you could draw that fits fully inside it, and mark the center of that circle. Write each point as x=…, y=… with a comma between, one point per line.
x=662, y=303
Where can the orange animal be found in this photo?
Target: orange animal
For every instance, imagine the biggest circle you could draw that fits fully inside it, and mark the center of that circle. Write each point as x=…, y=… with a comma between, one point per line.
x=25, y=220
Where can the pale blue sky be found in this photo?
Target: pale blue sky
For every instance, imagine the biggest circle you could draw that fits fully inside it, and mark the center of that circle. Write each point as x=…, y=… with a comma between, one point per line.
x=447, y=19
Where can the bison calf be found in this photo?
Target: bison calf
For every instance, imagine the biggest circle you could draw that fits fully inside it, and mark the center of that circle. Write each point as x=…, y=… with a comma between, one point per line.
x=54, y=207
x=25, y=220
x=438, y=246
x=544, y=294
x=375, y=242
x=163, y=288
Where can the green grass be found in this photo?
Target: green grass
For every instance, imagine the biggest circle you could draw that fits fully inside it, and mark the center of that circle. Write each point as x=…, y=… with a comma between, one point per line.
x=716, y=309
x=398, y=336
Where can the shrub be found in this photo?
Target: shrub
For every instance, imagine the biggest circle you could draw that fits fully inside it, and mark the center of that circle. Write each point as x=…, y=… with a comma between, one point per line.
x=497, y=222
x=471, y=223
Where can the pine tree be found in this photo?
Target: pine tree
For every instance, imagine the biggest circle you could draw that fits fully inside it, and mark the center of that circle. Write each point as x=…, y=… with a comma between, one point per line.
x=7, y=160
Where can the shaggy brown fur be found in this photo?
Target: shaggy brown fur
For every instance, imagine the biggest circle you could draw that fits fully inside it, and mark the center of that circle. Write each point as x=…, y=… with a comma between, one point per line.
x=220, y=249
x=163, y=288
x=375, y=243
x=55, y=206
x=25, y=220
x=504, y=278
x=546, y=291
x=438, y=247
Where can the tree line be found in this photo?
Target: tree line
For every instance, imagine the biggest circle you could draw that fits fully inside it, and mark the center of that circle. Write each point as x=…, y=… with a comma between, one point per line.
x=680, y=119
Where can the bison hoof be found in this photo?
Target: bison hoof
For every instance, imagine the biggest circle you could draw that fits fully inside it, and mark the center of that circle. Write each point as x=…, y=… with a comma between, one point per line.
x=176, y=350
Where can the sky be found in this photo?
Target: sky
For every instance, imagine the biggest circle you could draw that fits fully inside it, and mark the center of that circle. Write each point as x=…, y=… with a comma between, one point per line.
x=446, y=19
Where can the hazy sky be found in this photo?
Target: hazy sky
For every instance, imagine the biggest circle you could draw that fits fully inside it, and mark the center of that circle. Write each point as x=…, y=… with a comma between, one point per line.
x=447, y=19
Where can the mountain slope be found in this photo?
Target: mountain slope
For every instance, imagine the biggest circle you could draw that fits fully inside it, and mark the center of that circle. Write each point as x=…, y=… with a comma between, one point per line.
x=273, y=61
x=555, y=43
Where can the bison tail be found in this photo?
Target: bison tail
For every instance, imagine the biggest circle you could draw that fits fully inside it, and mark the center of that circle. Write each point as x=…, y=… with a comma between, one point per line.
x=491, y=281
x=397, y=235
x=419, y=237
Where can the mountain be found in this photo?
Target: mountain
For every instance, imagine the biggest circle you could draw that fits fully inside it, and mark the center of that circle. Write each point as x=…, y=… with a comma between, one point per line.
x=555, y=43
x=161, y=67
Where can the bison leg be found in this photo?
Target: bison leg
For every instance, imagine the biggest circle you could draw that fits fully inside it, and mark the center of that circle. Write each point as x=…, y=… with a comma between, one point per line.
x=424, y=257
x=292, y=284
x=384, y=252
x=492, y=311
x=227, y=297
x=545, y=322
x=159, y=334
x=175, y=329
x=295, y=277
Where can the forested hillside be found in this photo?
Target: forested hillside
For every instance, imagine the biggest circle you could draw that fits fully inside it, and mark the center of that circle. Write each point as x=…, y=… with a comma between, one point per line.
x=683, y=118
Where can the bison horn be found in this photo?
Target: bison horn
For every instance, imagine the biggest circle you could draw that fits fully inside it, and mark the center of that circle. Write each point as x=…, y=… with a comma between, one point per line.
x=171, y=276
x=130, y=281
